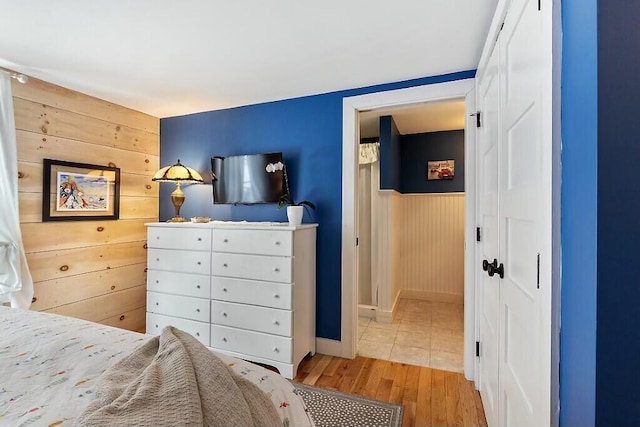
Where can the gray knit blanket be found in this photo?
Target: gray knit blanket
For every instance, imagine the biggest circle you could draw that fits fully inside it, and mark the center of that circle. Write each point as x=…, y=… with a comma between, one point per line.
x=174, y=380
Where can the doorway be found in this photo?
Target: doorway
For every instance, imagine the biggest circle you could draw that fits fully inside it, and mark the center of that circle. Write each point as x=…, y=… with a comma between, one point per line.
x=351, y=135
x=419, y=319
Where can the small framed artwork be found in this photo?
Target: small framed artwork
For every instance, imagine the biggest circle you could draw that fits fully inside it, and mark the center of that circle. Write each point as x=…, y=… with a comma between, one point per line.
x=79, y=191
x=441, y=169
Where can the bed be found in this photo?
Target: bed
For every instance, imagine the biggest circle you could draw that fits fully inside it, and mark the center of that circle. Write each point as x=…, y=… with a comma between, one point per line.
x=50, y=366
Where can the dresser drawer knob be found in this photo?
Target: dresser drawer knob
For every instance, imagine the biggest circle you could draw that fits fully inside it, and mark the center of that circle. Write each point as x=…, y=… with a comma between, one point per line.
x=276, y=350
x=224, y=265
x=224, y=314
x=157, y=303
x=276, y=243
x=276, y=269
x=224, y=339
x=197, y=334
x=276, y=295
x=275, y=322
x=225, y=240
x=156, y=326
x=157, y=281
x=113, y=287
x=199, y=239
x=224, y=289
x=158, y=259
x=197, y=310
x=199, y=262
x=198, y=286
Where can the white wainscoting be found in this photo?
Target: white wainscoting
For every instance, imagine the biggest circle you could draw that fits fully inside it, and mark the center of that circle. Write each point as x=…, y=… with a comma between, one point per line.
x=429, y=234
x=388, y=256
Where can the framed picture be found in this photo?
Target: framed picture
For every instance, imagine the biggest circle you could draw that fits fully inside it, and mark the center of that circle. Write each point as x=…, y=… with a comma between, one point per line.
x=441, y=169
x=79, y=191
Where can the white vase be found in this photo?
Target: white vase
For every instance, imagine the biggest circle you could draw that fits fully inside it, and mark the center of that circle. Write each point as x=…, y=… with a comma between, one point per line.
x=294, y=213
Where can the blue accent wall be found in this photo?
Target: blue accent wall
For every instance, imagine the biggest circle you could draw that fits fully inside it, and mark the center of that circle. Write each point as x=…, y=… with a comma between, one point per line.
x=618, y=311
x=308, y=130
x=417, y=149
x=389, y=154
x=579, y=213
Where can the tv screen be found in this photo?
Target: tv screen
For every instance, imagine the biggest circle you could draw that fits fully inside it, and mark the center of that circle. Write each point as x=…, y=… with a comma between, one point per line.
x=245, y=179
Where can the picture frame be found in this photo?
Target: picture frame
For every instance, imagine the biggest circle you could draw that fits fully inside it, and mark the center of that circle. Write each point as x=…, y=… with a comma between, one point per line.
x=440, y=169
x=79, y=191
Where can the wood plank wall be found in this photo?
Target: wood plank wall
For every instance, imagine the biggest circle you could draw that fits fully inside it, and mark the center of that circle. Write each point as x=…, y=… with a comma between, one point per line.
x=93, y=270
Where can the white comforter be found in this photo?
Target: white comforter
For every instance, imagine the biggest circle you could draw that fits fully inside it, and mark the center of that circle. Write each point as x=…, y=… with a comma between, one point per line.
x=49, y=365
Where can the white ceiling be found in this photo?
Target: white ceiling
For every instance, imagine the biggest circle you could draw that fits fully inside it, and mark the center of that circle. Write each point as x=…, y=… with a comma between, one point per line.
x=174, y=57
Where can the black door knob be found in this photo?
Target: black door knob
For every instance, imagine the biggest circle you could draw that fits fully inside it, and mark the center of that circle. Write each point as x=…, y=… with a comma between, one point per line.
x=494, y=268
x=500, y=270
x=489, y=266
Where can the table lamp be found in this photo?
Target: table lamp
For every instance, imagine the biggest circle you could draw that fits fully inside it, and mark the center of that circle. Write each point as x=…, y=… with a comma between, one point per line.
x=178, y=174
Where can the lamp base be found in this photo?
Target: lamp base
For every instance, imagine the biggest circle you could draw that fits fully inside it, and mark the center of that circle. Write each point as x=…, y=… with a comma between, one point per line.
x=177, y=198
x=177, y=219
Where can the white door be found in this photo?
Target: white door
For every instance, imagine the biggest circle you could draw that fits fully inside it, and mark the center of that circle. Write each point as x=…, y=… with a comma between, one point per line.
x=525, y=218
x=488, y=248
x=514, y=211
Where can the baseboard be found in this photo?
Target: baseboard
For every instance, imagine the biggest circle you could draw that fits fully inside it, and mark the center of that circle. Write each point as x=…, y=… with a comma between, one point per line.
x=368, y=311
x=384, y=316
x=329, y=347
x=432, y=296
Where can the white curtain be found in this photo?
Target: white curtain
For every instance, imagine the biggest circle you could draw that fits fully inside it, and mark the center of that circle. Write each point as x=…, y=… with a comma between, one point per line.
x=368, y=223
x=16, y=284
x=369, y=153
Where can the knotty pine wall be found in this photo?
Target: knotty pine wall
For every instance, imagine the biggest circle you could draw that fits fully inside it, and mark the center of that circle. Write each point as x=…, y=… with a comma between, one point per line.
x=430, y=240
x=93, y=270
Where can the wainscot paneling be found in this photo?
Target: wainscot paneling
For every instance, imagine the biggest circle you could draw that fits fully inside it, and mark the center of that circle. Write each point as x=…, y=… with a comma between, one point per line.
x=398, y=265
x=93, y=270
x=430, y=236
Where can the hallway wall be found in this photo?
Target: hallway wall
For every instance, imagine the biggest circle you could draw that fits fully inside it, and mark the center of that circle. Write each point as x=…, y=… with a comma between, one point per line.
x=431, y=245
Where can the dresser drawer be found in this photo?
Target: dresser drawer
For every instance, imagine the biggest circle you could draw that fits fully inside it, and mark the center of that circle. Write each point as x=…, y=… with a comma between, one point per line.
x=157, y=322
x=188, y=238
x=182, y=261
x=267, y=268
x=252, y=343
x=268, y=294
x=192, y=285
x=270, y=242
x=251, y=317
x=179, y=306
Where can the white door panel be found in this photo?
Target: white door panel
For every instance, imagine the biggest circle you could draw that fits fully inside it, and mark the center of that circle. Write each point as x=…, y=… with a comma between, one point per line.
x=525, y=363
x=514, y=191
x=488, y=249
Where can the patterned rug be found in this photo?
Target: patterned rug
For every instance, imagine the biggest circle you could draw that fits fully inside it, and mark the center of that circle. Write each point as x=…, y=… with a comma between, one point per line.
x=330, y=408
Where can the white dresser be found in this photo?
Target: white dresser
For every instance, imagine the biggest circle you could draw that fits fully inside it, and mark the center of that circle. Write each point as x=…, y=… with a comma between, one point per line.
x=244, y=289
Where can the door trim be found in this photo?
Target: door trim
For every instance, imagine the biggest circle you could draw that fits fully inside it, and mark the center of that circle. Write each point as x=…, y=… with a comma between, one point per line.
x=351, y=106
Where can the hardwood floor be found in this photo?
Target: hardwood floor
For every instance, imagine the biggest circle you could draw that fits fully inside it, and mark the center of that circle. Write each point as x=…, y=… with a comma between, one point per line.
x=430, y=397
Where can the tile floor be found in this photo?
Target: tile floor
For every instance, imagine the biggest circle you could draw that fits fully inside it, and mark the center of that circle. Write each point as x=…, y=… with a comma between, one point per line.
x=423, y=333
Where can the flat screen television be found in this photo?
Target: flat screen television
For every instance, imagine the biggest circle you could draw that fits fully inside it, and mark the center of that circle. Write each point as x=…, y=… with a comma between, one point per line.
x=245, y=179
